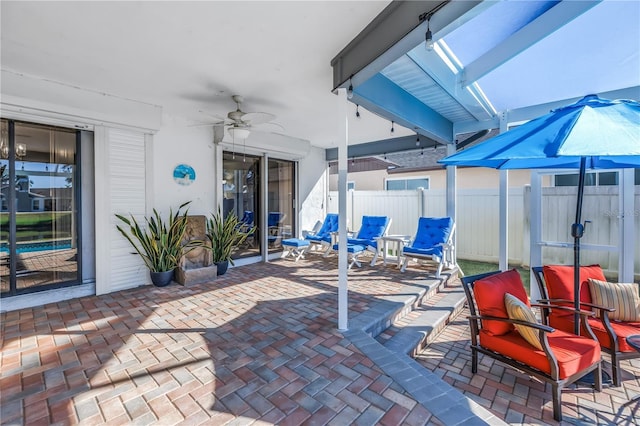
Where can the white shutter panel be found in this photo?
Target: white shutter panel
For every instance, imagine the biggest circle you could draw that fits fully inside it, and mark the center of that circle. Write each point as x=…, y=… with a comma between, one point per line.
x=127, y=196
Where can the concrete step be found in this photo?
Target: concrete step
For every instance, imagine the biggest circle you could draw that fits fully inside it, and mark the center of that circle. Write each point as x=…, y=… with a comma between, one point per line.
x=446, y=403
x=433, y=316
x=436, y=296
x=392, y=308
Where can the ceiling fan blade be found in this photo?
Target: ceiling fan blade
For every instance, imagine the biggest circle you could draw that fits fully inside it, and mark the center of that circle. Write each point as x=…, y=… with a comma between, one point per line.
x=275, y=125
x=216, y=116
x=257, y=117
x=210, y=124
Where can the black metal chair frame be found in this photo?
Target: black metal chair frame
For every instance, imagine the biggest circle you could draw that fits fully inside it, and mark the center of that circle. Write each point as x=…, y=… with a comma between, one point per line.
x=553, y=377
x=602, y=312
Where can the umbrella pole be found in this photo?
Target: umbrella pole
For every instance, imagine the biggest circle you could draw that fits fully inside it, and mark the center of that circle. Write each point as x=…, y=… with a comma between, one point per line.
x=577, y=230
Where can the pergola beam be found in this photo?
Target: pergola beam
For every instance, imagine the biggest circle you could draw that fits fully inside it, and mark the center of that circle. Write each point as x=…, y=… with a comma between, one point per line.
x=549, y=22
x=395, y=31
x=535, y=111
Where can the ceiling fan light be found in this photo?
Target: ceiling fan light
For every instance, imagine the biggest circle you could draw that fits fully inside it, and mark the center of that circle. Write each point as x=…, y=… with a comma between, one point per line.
x=238, y=132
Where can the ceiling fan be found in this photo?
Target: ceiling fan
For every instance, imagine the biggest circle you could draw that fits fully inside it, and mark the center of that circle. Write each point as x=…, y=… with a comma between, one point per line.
x=240, y=124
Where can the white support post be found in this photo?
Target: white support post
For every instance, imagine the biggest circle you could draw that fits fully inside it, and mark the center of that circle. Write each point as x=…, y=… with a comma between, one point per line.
x=264, y=216
x=535, y=215
x=504, y=209
x=452, y=195
x=504, y=220
x=451, y=184
x=342, y=138
x=627, y=226
x=217, y=181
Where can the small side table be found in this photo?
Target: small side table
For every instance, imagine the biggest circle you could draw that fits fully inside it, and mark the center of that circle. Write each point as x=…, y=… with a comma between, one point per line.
x=634, y=341
x=393, y=243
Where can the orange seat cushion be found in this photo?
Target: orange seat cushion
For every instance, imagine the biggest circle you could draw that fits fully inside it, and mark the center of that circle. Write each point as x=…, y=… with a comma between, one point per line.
x=559, y=281
x=621, y=329
x=574, y=353
x=489, y=294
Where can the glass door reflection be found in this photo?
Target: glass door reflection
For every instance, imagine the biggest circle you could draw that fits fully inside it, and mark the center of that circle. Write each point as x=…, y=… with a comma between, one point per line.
x=281, y=191
x=240, y=188
x=41, y=202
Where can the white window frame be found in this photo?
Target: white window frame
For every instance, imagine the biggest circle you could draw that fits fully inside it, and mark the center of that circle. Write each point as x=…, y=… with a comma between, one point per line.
x=427, y=178
x=596, y=172
x=36, y=205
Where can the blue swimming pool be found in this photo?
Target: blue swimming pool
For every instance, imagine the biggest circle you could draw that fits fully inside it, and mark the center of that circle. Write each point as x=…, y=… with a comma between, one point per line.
x=31, y=246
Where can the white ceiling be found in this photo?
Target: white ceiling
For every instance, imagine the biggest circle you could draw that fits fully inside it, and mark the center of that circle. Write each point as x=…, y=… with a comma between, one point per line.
x=192, y=56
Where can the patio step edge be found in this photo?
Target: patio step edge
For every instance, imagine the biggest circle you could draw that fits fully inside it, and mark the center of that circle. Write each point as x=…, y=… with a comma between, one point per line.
x=382, y=314
x=422, y=330
x=447, y=404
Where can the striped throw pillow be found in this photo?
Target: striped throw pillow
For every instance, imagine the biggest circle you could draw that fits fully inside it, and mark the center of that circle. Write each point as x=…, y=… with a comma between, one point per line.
x=623, y=297
x=518, y=310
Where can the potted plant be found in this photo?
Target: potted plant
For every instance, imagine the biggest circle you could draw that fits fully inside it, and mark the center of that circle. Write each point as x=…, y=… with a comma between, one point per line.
x=160, y=245
x=226, y=234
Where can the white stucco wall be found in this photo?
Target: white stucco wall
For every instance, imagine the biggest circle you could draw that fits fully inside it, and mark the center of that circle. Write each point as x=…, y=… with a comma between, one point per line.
x=174, y=145
x=312, y=171
x=167, y=143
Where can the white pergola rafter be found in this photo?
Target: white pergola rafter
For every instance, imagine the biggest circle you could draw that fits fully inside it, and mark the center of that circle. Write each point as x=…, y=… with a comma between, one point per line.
x=550, y=21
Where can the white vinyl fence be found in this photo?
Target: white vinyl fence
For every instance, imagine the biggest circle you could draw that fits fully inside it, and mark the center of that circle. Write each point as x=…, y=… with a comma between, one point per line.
x=478, y=221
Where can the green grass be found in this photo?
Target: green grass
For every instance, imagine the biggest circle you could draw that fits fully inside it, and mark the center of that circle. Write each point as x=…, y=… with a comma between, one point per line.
x=40, y=224
x=471, y=267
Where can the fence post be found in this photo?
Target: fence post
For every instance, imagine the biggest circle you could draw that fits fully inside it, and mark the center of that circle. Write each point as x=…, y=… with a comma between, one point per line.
x=526, y=225
x=627, y=226
x=423, y=202
x=352, y=200
x=535, y=236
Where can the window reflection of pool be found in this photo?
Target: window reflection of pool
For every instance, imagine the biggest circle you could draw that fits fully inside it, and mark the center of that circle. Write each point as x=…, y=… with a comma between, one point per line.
x=38, y=246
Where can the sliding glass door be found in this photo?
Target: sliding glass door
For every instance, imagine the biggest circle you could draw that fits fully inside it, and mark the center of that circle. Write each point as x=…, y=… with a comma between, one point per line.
x=281, y=201
x=241, y=185
x=39, y=217
x=241, y=196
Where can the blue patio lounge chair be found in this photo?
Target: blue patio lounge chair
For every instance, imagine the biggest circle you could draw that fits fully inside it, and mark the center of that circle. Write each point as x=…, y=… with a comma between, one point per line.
x=325, y=236
x=245, y=225
x=274, y=227
x=247, y=218
x=372, y=229
x=433, y=241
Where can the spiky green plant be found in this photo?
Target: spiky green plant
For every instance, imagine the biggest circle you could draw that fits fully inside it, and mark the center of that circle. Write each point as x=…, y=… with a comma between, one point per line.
x=225, y=234
x=160, y=243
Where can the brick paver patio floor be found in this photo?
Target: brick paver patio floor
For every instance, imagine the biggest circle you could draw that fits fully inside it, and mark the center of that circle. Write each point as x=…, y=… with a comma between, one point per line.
x=257, y=346
x=519, y=399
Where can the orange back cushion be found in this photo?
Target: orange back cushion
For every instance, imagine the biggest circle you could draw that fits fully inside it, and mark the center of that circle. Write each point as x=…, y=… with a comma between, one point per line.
x=489, y=294
x=559, y=280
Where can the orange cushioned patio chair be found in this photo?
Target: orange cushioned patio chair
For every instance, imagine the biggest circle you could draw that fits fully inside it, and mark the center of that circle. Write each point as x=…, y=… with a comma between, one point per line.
x=556, y=286
x=504, y=328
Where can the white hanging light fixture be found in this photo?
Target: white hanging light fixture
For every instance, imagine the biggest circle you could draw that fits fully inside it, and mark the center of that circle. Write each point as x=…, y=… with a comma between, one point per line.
x=428, y=37
x=20, y=148
x=4, y=140
x=239, y=132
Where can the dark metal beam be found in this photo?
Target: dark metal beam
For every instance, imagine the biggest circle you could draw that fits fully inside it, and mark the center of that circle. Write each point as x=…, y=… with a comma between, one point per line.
x=381, y=147
x=392, y=33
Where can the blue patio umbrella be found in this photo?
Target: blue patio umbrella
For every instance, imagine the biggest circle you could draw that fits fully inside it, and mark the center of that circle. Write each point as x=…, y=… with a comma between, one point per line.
x=592, y=133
